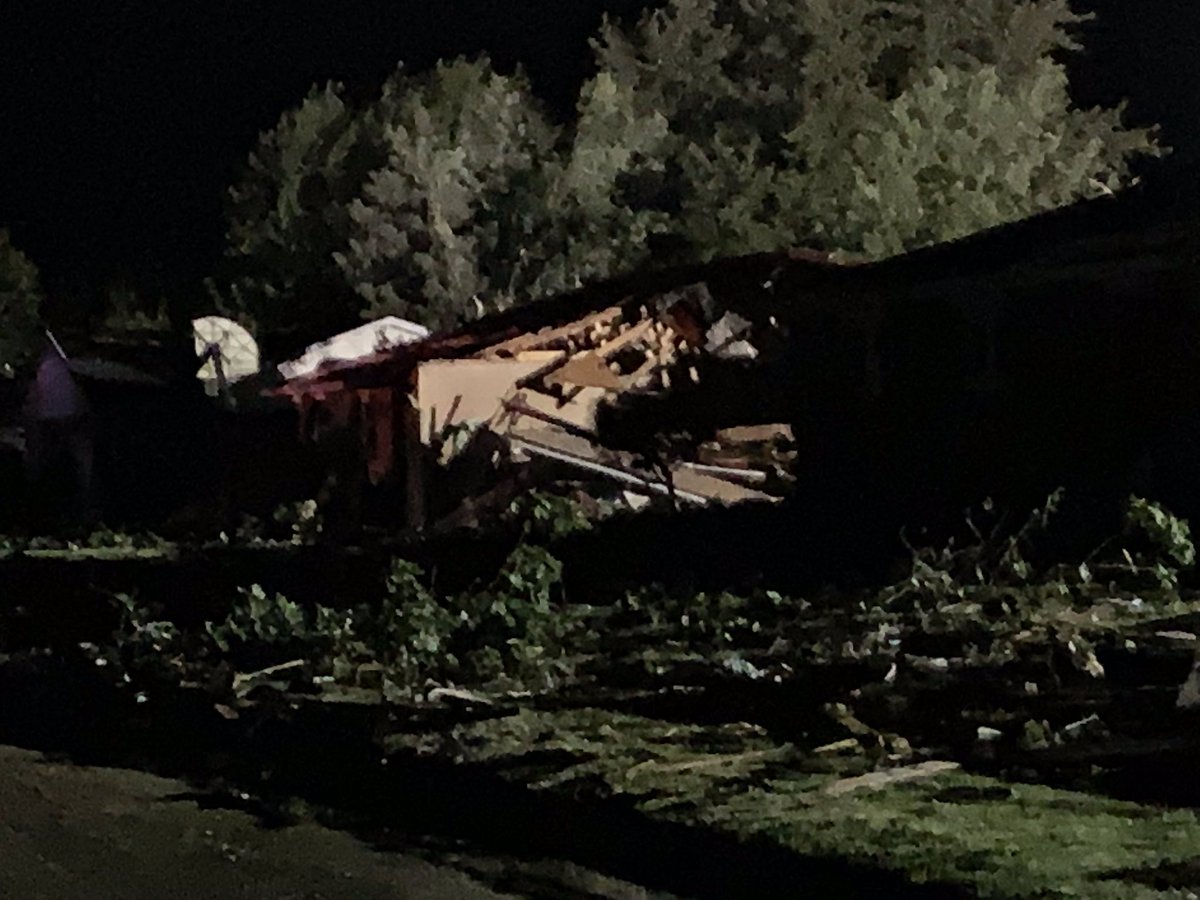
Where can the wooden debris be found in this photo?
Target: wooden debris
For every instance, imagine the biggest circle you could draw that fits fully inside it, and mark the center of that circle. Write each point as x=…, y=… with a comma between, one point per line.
x=585, y=370
x=441, y=694
x=243, y=683
x=1176, y=635
x=730, y=473
x=847, y=745
x=873, y=781
x=732, y=763
x=541, y=339
x=634, y=333
x=748, y=434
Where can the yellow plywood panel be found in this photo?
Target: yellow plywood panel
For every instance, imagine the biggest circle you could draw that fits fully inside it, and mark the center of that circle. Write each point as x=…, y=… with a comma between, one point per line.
x=452, y=391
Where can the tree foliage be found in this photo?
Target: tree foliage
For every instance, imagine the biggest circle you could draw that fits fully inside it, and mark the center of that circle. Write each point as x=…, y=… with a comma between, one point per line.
x=602, y=196
x=866, y=125
x=440, y=228
x=928, y=173
x=20, y=298
x=288, y=214
x=711, y=128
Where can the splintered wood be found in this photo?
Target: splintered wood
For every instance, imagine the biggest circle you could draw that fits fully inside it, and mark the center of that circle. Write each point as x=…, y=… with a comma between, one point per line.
x=873, y=781
x=584, y=370
x=593, y=352
x=562, y=334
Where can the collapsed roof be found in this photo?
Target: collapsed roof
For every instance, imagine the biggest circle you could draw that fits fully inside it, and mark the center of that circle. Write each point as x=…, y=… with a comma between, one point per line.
x=724, y=280
x=537, y=375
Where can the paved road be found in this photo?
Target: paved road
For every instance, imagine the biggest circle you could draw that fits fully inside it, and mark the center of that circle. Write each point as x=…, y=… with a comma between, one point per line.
x=69, y=832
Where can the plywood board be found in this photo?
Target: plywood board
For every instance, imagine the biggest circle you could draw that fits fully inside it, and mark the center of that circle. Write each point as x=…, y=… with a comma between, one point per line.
x=452, y=391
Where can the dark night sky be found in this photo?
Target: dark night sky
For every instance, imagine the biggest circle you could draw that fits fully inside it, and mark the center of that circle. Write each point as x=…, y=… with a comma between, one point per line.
x=121, y=122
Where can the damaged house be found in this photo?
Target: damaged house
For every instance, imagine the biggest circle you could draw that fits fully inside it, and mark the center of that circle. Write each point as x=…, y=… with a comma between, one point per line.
x=1061, y=350
x=460, y=424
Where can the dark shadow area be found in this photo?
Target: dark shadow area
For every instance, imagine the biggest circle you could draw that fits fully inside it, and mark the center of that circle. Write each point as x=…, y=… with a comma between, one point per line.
x=1182, y=876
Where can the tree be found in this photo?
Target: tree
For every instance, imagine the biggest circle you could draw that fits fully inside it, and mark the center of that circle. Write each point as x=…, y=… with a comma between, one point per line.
x=451, y=196
x=865, y=125
x=440, y=231
x=593, y=215
x=713, y=128
x=288, y=214
x=929, y=173
x=20, y=298
x=484, y=204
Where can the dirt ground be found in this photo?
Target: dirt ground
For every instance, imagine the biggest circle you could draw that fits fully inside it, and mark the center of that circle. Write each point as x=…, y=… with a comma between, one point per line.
x=68, y=832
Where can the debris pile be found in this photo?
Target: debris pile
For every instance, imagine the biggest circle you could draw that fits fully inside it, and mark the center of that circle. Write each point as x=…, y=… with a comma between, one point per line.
x=463, y=418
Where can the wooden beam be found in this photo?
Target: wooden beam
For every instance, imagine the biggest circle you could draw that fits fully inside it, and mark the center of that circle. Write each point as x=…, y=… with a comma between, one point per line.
x=640, y=330
x=539, y=339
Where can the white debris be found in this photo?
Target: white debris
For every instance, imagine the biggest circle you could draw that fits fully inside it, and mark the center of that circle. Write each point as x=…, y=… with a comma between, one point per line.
x=382, y=334
x=726, y=338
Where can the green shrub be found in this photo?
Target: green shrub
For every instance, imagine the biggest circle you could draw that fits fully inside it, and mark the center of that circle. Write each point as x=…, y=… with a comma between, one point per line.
x=989, y=598
x=1166, y=532
x=518, y=625
x=261, y=630
x=302, y=519
x=515, y=629
x=407, y=633
x=542, y=514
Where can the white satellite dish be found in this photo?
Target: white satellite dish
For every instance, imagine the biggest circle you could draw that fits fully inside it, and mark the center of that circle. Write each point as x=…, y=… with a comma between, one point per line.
x=228, y=352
